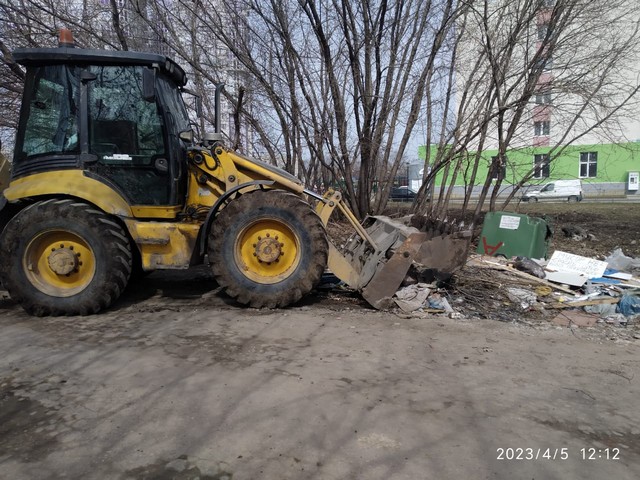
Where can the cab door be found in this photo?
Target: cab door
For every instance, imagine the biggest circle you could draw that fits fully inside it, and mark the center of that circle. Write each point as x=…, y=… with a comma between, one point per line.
x=127, y=135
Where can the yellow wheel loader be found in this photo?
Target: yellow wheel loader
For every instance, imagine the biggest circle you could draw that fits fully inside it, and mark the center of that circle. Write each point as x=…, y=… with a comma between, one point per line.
x=107, y=180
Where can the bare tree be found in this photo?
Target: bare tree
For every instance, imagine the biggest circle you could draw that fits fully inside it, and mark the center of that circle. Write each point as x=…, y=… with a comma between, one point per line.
x=580, y=55
x=36, y=23
x=343, y=81
x=333, y=89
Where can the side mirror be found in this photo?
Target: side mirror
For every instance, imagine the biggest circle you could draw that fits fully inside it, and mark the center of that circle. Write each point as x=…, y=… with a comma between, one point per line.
x=149, y=84
x=186, y=136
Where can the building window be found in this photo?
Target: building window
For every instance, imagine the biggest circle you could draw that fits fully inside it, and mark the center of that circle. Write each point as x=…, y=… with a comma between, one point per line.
x=542, y=31
x=542, y=128
x=498, y=168
x=541, y=165
x=543, y=98
x=588, y=164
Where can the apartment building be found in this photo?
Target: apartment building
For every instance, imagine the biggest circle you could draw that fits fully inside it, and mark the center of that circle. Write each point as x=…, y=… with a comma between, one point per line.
x=570, y=127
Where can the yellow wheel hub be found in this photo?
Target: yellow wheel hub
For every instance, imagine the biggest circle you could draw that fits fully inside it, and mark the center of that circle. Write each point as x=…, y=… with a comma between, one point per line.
x=59, y=263
x=267, y=251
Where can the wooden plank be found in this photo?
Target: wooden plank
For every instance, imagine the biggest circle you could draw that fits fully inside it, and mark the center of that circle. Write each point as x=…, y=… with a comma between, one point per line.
x=584, y=303
x=518, y=273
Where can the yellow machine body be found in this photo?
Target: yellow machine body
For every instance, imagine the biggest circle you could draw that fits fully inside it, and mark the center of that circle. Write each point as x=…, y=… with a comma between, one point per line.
x=163, y=241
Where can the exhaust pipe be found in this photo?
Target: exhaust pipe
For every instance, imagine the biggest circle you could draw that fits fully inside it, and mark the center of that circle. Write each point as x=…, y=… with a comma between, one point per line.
x=216, y=99
x=210, y=139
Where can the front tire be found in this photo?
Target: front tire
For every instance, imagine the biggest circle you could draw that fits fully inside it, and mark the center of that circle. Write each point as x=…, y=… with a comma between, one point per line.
x=63, y=257
x=268, y=249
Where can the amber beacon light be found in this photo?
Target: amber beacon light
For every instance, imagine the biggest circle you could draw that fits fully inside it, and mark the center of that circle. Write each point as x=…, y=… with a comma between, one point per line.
x=66, y=38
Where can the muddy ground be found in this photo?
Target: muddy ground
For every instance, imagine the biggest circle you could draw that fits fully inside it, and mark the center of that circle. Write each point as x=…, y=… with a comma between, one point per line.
x=176, y=381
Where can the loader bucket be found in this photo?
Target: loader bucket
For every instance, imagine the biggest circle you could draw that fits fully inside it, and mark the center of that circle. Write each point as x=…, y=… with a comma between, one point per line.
x=383, y=259
x=376, y=258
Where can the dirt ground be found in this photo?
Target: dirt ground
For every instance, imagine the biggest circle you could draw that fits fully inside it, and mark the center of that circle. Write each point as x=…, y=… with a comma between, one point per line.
x=612, y=225
x=176, y=381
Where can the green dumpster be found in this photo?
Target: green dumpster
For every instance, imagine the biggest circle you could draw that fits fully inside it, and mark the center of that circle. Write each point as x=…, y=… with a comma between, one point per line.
x=513, y=234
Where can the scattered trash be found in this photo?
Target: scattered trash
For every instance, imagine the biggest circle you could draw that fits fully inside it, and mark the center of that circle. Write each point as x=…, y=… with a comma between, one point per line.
x=602, y=309
x=438, y=302
x=412, y=297
x=425, y=298
x=567, y=262
x=543, y=291
x=581, y=302
x=567, y=278
x=567, y=289
x=575, y=270
x=497, y=264
x=586, y=290
x=529, y=266
x=606, y=281
x=525, y=298
x=617, y=319
x=629, y=305
x=576, y=233
x=619, y=261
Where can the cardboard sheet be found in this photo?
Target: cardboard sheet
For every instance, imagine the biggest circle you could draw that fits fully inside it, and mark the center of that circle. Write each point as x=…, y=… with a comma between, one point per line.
x=568, y=262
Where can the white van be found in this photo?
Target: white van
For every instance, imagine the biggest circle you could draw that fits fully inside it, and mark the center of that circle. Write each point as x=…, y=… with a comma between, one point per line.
x=570, y=190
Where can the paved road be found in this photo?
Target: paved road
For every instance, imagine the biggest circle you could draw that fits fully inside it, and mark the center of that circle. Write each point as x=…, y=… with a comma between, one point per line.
x=185, y=386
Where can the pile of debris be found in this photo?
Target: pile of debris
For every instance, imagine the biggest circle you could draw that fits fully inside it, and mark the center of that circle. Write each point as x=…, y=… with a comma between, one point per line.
x=585, y=290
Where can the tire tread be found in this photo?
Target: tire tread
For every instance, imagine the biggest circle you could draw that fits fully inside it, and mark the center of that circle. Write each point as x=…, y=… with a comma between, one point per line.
x=95, y=297
x=290, y=290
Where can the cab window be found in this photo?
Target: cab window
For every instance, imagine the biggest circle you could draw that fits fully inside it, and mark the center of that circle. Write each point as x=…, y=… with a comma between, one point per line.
x=52, y=116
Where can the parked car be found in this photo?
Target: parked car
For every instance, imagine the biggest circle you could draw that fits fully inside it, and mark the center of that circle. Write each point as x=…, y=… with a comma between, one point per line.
x=570, y=190
x=402, y=194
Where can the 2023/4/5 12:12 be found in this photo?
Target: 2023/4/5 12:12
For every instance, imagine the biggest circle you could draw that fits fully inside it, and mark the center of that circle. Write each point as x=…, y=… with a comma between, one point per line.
x=564, y=453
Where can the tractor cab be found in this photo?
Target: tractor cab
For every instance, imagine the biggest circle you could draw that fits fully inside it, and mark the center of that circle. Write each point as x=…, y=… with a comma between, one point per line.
x=117, y=116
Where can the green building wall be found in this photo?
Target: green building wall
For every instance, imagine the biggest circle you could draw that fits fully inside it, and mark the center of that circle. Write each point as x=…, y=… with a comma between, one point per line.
x=614, y=162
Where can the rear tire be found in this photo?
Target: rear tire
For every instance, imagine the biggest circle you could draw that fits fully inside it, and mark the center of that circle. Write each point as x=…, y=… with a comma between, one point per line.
x=63, y=257
x=573, y=199
x=268, y=249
